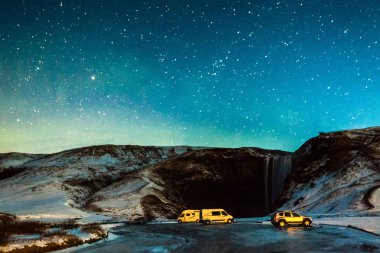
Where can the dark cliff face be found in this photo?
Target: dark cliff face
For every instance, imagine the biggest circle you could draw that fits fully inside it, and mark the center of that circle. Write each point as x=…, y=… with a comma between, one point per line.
x=335, y=171
x=231, y=179
x=216, y=178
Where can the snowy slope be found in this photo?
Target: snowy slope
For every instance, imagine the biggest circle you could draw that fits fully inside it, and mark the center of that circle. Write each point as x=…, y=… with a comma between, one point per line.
x=125, y=199
x=58, y=185
x=10, y=160
x=375, y=199
x=336, y=173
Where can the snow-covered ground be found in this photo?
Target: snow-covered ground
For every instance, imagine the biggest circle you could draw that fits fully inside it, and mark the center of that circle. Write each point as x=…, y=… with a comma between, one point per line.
x=375, y=200
x=41, y=240
x=341, y=191
x=38, y=241
x=106, y=227
x=369, y=223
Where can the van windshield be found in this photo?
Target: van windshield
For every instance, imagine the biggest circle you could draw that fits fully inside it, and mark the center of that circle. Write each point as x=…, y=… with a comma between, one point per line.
x=224, y=213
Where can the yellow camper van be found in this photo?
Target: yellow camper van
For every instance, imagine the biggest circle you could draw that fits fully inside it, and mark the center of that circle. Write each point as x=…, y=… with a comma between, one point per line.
x=189, y=216
x=215, y=216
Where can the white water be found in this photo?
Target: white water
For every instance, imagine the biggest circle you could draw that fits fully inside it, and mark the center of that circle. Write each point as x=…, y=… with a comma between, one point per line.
x=276, y=170
x=266, y=183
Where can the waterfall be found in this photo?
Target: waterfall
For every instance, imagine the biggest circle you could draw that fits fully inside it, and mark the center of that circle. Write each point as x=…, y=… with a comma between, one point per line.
x=276, y=169
x=266, y=184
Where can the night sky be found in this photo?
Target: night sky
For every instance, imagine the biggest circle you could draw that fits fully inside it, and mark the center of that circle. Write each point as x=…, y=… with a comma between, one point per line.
x=263, y=73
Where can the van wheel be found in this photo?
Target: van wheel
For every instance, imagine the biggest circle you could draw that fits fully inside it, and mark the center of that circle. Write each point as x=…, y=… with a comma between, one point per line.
x=229, y=221
x=197, y=221
x=206, y=222
x=179, y=221
x=282, y=223
x=306, y=223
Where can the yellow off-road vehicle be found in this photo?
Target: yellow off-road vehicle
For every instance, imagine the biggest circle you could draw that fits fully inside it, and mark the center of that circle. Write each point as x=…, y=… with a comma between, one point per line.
x=189, y=216
x=283, y=218
x=215, y=216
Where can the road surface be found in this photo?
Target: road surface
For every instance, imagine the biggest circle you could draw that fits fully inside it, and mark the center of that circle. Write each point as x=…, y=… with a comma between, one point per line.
x=237, y=237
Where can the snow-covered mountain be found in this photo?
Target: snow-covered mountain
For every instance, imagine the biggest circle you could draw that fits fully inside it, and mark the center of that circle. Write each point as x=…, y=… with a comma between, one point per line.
x=58, y=185
x=333, y=172
x=336, y=172
x=133, y=182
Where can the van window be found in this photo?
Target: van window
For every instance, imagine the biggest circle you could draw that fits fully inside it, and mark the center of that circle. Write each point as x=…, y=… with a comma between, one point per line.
x=287, y=214
x=215, y=213
x=182, y=215
x=281, y=214
x=224, y=213
x=296, y=215
x=187, y=214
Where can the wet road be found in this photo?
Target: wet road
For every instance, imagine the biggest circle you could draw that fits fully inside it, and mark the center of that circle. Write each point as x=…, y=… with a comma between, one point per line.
x=237, y=237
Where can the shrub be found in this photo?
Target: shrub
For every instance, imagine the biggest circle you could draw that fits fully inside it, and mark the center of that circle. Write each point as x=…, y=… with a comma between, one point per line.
x=94, y=228
x=23, y=227
x=69, y=224
x=70, y=241
x=54, y=233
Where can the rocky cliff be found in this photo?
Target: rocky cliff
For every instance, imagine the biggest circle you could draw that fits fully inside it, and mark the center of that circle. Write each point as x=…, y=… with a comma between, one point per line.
x=211, y=178
x=336, y=172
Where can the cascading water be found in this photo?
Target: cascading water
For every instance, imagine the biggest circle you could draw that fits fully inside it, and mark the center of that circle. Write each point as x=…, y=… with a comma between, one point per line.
x=276, y=169
x=266, y=183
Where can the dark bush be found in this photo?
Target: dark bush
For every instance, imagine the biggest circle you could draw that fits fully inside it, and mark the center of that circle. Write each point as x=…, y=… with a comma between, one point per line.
x=7, y=173
x=23, y=227
x=94, y=228
x=69, y=224
x=54, y=233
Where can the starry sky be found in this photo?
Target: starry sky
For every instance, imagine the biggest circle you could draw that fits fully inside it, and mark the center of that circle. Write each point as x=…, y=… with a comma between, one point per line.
x=221, y=73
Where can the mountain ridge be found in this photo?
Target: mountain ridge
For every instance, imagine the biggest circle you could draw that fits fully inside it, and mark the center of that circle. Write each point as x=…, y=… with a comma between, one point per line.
x=134, y=182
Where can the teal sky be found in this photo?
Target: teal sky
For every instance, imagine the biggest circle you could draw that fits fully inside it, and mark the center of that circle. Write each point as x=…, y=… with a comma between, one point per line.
x=270, y=74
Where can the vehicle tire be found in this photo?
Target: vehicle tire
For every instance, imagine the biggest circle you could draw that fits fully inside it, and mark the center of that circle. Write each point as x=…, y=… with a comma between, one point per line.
x=306, y=223
x=197, y=221
x=206, y=222
x=229, y=221
x=179, y=221
x=281, y=224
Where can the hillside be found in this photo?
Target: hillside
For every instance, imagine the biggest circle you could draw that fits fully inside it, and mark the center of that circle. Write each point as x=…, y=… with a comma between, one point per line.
x=336, y=172
x=58, y=185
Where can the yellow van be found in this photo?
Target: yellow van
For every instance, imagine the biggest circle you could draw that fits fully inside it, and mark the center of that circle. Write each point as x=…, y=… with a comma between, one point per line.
x=215, y=216
x=189, y=216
